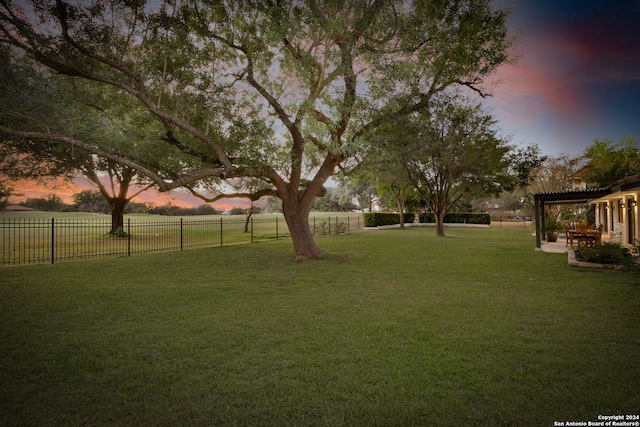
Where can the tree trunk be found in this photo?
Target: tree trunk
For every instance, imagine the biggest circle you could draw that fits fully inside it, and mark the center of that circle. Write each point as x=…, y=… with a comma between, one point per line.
x=401, y=209
x=246, y=223
x=440, y=223
x=439, y=207
x=248, y=218
x=399, y=193
x=117, y=214
x=304, y=244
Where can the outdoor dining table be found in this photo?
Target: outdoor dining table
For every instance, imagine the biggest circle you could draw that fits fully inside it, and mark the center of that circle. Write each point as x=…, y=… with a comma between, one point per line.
x=587, y=238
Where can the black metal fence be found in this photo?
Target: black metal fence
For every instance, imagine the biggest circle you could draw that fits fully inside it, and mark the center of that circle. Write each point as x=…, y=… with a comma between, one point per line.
x=33, y=241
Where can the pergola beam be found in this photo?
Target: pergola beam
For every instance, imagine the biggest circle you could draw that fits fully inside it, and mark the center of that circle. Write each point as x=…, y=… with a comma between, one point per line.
x=562, y=198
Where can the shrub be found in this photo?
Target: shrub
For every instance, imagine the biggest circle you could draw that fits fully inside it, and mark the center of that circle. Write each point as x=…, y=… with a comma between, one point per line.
x=324, y=228
x=606, y=253
x=459, y=218
x=409, y=217
x=377, y=219
x=552, y=225
x=119, y=233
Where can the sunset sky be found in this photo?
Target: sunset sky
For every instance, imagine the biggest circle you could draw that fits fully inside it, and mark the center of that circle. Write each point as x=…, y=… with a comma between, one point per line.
x=577, y=78
x=66, y=190
x=578, y=74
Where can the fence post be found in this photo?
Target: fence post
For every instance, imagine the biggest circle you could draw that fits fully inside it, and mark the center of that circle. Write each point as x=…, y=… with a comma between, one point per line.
x=276, y=228
x=251, y=229
x=329, y=229
x=220, y=231
x=128, y=236
x=53, y=221
x=180, y=233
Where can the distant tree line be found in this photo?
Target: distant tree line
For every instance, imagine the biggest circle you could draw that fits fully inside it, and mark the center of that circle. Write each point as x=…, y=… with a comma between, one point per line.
x=172, y=210
x=94, y=202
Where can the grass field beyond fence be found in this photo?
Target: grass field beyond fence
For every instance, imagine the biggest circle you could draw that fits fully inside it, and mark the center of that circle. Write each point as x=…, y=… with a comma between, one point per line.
x=34, y=238
x=389, y=328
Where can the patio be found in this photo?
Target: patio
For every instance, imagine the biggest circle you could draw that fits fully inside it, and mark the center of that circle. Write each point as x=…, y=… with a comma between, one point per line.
x=557, y=247
x=560, y=246
x=616, y=210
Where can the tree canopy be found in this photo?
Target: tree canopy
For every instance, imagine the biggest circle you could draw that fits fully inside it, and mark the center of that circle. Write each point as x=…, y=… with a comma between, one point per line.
x=554, y=174
x=608, y=161
x=448, y=152
x=68, y=107
x=6, y=191
x=279, y=91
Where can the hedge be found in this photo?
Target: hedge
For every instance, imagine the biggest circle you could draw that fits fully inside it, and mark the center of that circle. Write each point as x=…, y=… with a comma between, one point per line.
x=377, y=219
x=459, y=218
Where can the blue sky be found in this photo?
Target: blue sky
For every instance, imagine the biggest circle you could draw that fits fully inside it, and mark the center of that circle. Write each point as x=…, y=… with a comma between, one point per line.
x=577, y=77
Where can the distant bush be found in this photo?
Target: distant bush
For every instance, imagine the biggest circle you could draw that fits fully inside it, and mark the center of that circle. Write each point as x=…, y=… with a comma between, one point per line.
x=206, y=209
x=378, y=219
x=119, y=233
x=459, y=218
x=324, y=228
x=171, y=210
x=51, y=203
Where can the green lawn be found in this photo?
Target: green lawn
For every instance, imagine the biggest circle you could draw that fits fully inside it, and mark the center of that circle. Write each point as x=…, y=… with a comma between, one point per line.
x=391, y=327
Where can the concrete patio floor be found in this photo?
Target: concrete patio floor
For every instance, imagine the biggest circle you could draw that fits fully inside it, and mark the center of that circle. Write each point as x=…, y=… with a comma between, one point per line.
x=558, y=247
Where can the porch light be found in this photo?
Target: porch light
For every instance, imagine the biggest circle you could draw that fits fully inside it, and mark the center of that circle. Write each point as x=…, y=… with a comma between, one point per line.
x=632, y=203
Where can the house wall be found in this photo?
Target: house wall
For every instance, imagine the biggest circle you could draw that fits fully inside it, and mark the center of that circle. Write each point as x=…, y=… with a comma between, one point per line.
x=602, y=216
x=617, y=212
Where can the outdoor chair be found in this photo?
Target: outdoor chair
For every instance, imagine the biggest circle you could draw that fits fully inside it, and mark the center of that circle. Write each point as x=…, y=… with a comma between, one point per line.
x=599, y=234
x=583, y=227
x=567, y=231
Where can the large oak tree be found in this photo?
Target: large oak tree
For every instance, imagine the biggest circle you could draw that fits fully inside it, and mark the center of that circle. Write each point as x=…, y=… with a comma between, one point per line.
x=281, y=91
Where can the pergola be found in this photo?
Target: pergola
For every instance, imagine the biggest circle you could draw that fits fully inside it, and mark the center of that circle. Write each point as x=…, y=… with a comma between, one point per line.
x=562, y=198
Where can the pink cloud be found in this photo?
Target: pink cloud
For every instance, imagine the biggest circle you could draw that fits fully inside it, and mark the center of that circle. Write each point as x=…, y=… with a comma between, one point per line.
x=578, y=75
x=548, y=80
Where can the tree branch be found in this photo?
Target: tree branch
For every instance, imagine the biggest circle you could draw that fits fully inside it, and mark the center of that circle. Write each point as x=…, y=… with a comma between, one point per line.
x=473, y=87
x=422, y=103
x=163, y=184
x=251, y=196
x=75, y=71
x=61, y=8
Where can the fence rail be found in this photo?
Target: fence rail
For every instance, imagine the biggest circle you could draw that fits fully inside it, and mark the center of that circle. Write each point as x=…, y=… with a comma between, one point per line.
x=37, y=241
